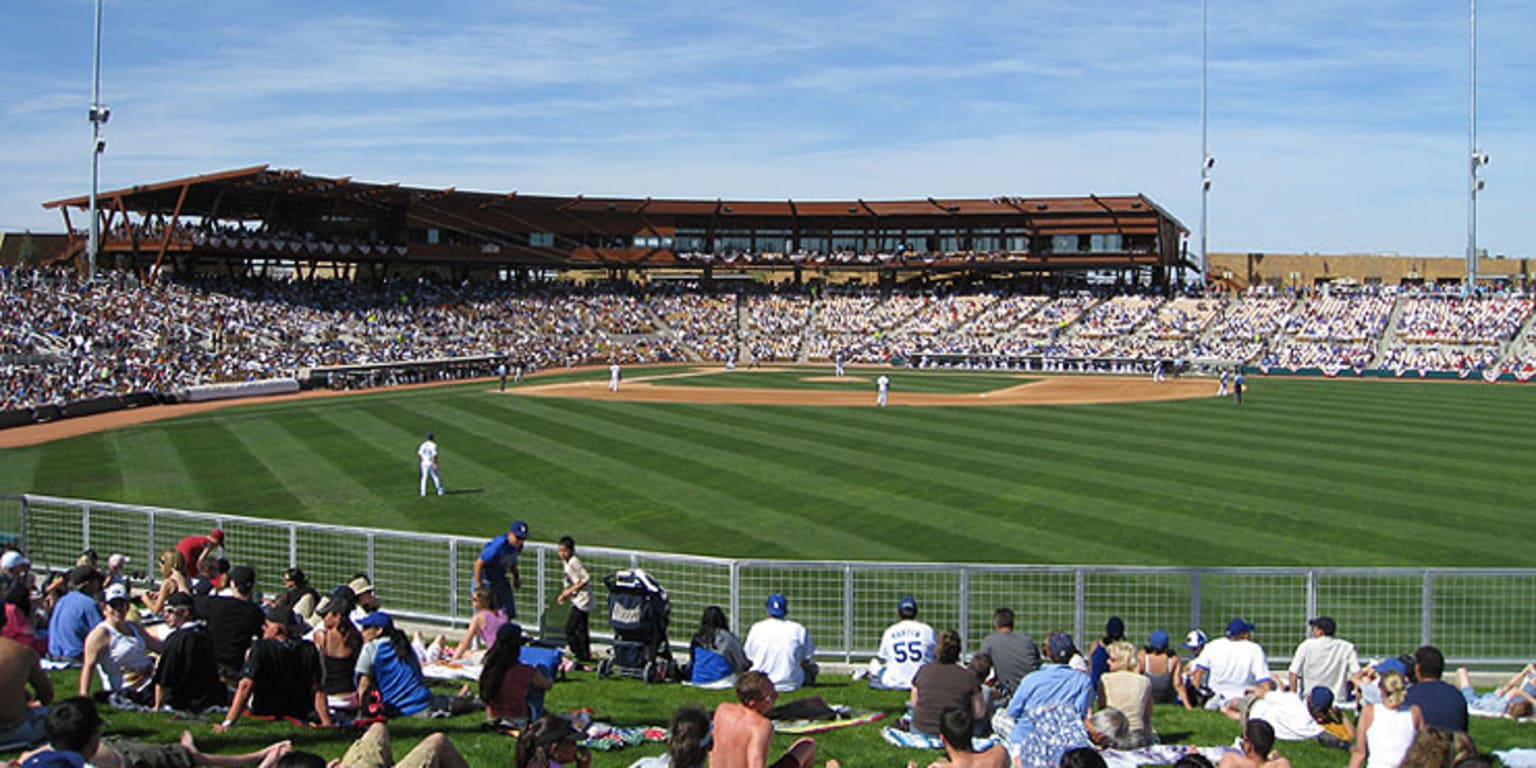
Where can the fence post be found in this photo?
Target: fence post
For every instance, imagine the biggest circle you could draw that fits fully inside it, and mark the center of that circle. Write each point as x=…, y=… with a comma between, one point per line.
x=1195, y=599
x=1427, y=609
x=149, y=555
x=965, y=605
x=538, y=588
x=847, y=613
x=21, y=535
x=293, y=546
x=1311, y=593
x=372, y=575
x=453, y=578
x=1079, y=610
x=85, y=528
x=735, y=593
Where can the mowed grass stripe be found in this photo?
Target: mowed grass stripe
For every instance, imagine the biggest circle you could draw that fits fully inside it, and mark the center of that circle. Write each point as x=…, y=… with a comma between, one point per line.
x=223, y=467
x=154, y=471
x=641, y=507
x=86, y=466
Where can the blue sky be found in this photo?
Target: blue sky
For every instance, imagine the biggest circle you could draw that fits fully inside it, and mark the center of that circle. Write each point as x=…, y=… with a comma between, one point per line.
x=1338, y=126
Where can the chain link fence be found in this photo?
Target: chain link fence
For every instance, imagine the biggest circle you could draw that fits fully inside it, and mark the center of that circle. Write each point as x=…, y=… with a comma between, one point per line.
x=1476, y=616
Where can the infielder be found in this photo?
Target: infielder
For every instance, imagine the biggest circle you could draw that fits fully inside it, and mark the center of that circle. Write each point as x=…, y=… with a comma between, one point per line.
x=501, y=371
x=1158, y=372
x=1226, y=380
x=497, y=558
x=838, y=361
x=882, y=390
x=428, y=454
x=613, y=377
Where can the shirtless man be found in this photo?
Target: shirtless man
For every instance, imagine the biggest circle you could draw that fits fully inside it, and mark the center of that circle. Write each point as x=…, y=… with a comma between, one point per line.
x=1258, y=749
x=20, y=667
x=743, y=733
x=955, y=733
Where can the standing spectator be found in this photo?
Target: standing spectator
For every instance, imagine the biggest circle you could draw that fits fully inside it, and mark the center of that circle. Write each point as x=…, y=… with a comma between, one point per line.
x=187, y=675
x=194, y=548
x=904, y=648
x=1323, y=659
x=943, y=684
x=578, y=589
x=1013, y=654
x=1442, y=704
x=1231, y=665
x=233, y=622
x=1387, y=729
x=497, y=558
x=75, y=615
x=282, y=675
x=781, y=649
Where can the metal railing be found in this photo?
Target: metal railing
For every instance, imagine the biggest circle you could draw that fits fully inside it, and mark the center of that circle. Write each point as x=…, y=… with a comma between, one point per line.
x=1476, y=616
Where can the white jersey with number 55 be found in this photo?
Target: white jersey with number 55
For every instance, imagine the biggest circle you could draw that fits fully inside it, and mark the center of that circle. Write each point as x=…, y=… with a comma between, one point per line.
x=905, y=647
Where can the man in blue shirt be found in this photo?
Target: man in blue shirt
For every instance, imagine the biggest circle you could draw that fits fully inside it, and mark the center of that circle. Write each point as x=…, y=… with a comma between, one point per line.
x=1442, y=703
x=75, y=614
x=1055, y=686
x=497, y=558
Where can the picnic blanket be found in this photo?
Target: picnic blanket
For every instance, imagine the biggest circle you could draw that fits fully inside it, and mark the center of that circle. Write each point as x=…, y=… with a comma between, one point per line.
x=915, y=740
x=850, y=718
x=1519, y=757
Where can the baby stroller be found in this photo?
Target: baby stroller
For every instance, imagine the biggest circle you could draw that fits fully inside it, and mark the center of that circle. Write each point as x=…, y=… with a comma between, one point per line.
x=638, y=611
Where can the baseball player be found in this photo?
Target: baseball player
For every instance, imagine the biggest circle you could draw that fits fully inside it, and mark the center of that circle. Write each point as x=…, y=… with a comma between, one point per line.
x=882, y=390
x=1158, y=372
x=428, y=454
x=1226, y=380
x=501, y=371
x=613, y=376
x=838, y=361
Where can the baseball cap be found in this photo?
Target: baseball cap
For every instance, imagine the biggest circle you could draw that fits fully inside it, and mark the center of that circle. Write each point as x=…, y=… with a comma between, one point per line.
x=243, y=577
x=13, y=559
x=217, y=535
x=360, y=585
x=54, y=759
x=1195, y=639
x=1237, y=627
x=1158, y=639
x=1059, y=647
x=181, y=600
x=83, y=574
x=118, y=560
x=116, y=592
x=907, y=604
x=1320, y=699
x=340, y=600
x=519, y=529
x=1115, y=627
x=778, y=605
x=431, y=436
x=283, y=617
x=377, y=620
x=1325, y=623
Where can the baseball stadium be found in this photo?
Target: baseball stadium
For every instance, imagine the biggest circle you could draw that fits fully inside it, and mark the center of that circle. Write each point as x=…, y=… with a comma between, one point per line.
x=690, y=387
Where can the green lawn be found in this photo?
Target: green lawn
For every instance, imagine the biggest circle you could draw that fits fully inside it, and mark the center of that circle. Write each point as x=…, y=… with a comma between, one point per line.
x=630, y=703
x=1307, y=472
x=857, y=380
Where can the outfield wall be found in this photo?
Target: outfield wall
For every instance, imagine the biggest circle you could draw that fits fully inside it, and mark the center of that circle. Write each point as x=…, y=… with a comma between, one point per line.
x=1476, y=616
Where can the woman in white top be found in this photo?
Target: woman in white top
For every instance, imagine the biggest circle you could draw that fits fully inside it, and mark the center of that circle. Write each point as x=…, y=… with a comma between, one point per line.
x=1386, y=730
x=119, y=649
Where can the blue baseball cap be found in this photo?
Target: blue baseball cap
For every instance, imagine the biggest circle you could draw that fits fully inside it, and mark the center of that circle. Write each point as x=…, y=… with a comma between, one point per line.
x=1320, y=699
x=1237, y=627
x=1158, y=639
x=1059, y=647
x=519, y=529
x=377, y=620
x=778, y=605
x=907, y=604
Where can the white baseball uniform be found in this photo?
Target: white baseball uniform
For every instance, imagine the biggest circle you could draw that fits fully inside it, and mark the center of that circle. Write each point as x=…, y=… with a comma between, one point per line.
x=613, y=377
x=882, y=389
x=428, y=454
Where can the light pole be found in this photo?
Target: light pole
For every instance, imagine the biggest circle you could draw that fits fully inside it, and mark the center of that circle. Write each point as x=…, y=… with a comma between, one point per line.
x=1476, y=158
x=99, y=116
x=1207, y=162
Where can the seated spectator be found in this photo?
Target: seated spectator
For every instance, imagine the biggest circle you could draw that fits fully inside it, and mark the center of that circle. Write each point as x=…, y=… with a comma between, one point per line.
x=506, y=683
x=1110, y=729
x=743, y=733
x=1013, y=654
x=339, y=643
x=1258, y=745
x=1125, y=689
x=715, y=653
x=1514, y=698
x=20, y=667
x=904, y=648
x=388, y=665
x=187, y=674
x=282, y=675
x=119, y=649
x=551, y=742
x=688, y=742
x=1442, y=705
x=233, y=622
x=19, y=615
x=1098, y=653
x=781, y=648
x=75, y=615
x=172, y=580
x=956, y=727
x=483, y=626
x=1438, y=748
x=943, y=684
x=372, y=750
x=1163, y=668
x=1386, y=729
x=14, y=567
x=1046, y=714
x=1231, y=665
x=75, y=738
x=298, y=595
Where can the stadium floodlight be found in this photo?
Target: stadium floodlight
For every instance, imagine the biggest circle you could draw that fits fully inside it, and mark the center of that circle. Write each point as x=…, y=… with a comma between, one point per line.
x=98, y=116
x=1210, y=162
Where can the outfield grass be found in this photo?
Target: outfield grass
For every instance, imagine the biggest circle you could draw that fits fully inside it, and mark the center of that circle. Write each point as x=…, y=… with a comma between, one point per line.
x=1307, y=472
x=631, y=703
x=937, y=382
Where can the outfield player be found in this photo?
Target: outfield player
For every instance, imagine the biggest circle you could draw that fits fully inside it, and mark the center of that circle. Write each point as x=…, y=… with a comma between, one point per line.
x=1222, y=388
x=613, y=376
x=904, y=647
x=427, y=452
x=501, y=372
x=838, y=361
x=882, y=390
x=497, y=558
